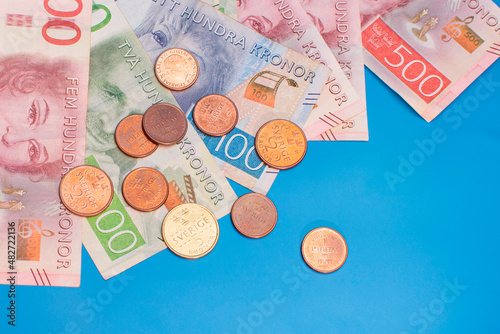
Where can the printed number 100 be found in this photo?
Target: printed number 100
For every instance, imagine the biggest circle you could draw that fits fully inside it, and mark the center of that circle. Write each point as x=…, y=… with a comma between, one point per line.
x=231, y=149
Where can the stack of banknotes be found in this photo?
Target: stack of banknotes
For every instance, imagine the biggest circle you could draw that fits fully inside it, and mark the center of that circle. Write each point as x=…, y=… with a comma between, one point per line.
x=70, y=71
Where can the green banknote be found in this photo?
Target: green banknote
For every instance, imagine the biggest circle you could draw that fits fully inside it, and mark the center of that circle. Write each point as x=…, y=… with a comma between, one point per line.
x=122, y=82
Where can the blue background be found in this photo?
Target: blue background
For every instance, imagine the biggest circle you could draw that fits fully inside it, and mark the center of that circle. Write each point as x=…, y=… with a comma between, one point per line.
x=407, y=245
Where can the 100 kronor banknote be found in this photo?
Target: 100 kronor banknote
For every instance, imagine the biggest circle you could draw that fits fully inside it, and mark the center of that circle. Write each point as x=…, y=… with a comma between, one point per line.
x=122, y=83
x=287, y=22
x=44, y=65
x=264, y=79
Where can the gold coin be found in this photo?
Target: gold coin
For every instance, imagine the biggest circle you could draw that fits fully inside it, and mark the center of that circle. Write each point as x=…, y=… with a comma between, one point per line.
x=190, y=230
x=176, y=69
x=281, y=144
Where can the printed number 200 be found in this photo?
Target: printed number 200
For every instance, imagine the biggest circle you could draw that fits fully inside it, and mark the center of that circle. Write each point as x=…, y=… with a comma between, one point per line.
x=418, y=77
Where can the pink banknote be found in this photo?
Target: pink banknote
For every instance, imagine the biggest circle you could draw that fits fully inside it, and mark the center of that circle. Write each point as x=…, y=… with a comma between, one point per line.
x=338, y=22
x=430, y=51
x=286, y=22
x=44, y=67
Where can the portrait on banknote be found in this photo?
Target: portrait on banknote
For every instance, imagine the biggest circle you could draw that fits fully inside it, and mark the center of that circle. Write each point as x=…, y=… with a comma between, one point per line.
x=322, y=13
x=33, y=93
x=109, y=103
x=161, y=30
x=371, y=9
x=269, y=23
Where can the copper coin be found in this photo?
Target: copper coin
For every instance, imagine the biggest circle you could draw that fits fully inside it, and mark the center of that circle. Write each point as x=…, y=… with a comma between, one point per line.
x=164, y=124
x=86, y=191
x=145, y=189
x=176, y=69
x=130, y=137
x=254, y=215
x=324, y=250
x=281, y=144
x=215, y=115
x=190, y=230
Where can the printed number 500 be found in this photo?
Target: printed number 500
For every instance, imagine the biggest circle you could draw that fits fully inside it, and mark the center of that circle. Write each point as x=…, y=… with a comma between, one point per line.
x=412, y=67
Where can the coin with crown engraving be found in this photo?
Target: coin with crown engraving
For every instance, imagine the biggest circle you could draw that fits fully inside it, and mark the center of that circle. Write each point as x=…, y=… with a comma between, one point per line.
x=190, y=230
x=215, y=115
x=281, y=144
x=324, y=250
x=145, y=189
x=254, y=215
x=130, y=138
x=86, y=190
x=176, y=69
x=164, y=124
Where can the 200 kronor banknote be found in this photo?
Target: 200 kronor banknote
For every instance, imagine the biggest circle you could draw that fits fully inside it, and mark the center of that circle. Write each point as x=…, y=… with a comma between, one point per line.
x=122, y=82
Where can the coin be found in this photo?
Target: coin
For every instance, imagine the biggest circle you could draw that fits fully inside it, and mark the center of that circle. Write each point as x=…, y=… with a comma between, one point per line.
x=215, y=115
x=145, y=189
x=130, y=137
x=254, y=215
x=164, y=124
x=176, y=69
x=324, y=250
x=281, y=144
x=86, y=191
x=190, y=230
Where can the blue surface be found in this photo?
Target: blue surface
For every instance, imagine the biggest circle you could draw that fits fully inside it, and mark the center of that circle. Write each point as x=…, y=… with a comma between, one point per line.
x=407, y=245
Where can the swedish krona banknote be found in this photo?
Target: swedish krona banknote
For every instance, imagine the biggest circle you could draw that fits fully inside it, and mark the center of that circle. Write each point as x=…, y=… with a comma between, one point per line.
x=122, y=82
x=339, y=24
x=44, y=65
x=430, y=51
x=288, y=23
x=264, y=79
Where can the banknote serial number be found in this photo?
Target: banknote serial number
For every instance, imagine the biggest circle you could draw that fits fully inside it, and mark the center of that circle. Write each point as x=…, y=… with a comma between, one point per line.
x=11, y=280
x=11, y=245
